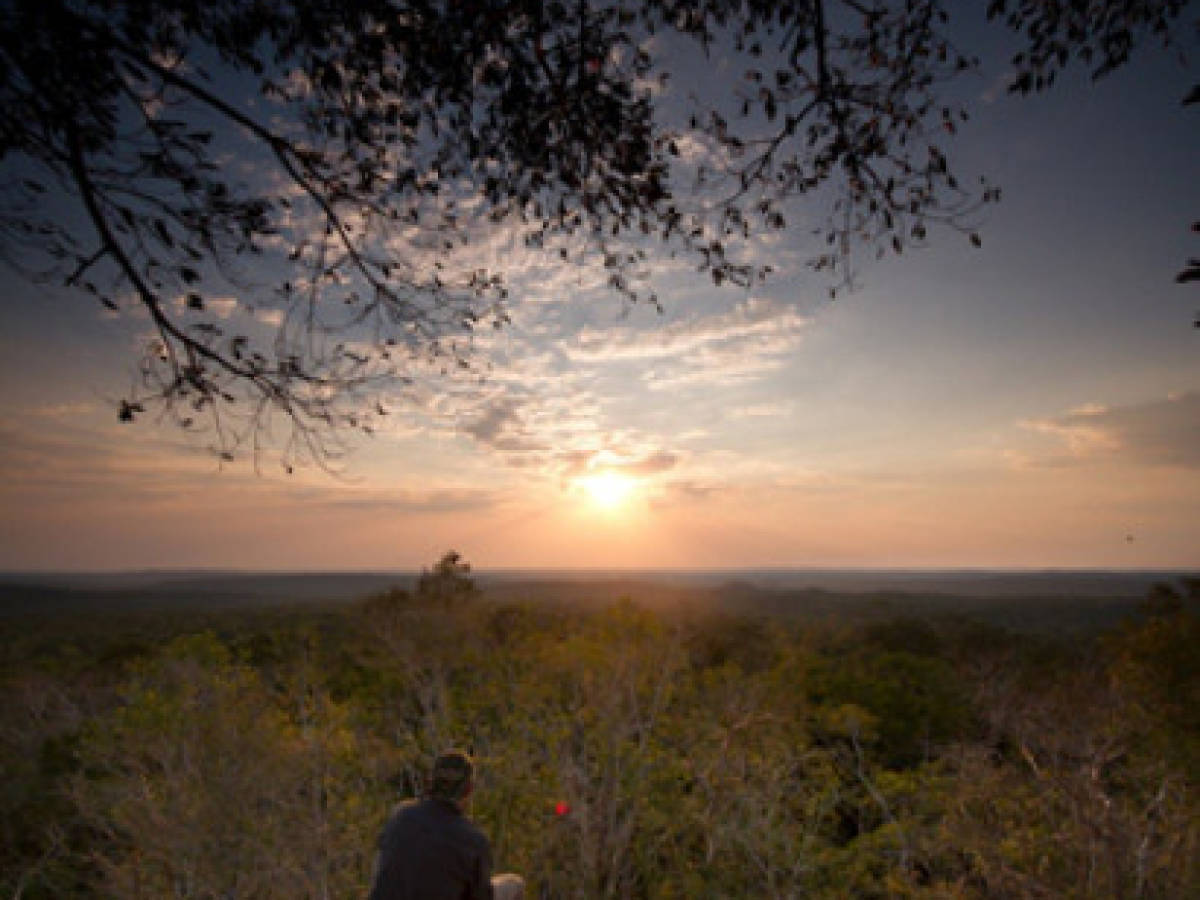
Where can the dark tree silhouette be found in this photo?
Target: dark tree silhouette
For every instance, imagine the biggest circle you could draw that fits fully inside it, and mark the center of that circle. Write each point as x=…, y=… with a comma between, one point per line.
x=1100, y=34
x=449, y=582
x=328, y=164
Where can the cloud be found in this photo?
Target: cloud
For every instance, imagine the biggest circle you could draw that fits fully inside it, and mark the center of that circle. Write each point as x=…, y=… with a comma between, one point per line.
x=501, y=426
x=686, y=491
x=651, y=464
x=1081, y=437
x=64, y=467
x=64, y=410
x=406, y=502
x=56, y=457
x=696, y=148
x=1158, y=432
x=742, y=344
x=644, y=463
x=527, y=411
x=556, y=391
x=221, y=307
x=722, y=366
x=574, y=463
x=272, y=317
x=551, y=405
x=753, y=318
x=761, y=411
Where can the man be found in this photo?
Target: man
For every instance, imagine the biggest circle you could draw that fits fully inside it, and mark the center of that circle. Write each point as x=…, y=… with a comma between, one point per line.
x=430, y=851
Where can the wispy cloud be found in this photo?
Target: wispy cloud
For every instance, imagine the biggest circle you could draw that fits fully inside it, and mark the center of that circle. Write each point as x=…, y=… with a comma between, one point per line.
x=639, y=464
x=742, y=344
x=750, y=320
x=272, y=317
x=398, y=502
x=68, y=465
x=761, y=411
x=221, y=307
x=1158, y=432
x=684, y=491
x=501, y=425
x=63, y=410
x=652, y=464
x=60, y=458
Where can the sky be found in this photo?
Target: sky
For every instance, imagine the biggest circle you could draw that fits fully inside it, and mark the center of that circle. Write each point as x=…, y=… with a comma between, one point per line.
x=1033, y=403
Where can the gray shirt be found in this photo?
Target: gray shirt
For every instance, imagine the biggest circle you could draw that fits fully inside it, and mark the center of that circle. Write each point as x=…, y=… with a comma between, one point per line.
x=429, y=850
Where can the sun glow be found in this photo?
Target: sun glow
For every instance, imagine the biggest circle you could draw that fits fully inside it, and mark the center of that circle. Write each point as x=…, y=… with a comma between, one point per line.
x=608, y=490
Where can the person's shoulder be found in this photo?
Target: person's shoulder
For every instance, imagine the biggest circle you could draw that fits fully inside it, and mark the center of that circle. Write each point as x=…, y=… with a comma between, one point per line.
x=441, y=815
x=474, y=834
x=402, y=812
x=458, y=822
x=428, y=808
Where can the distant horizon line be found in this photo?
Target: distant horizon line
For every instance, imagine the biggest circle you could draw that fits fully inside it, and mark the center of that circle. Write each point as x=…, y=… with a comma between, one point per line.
x=593, y=570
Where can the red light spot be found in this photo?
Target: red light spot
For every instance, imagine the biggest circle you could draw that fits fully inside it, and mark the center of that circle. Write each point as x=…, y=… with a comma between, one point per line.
x=561, y=808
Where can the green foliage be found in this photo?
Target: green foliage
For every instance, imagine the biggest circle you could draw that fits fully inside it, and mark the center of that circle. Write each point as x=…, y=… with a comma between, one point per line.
x=204, y=781
x=1156, y=662
x=695, y=757
x=915, y=702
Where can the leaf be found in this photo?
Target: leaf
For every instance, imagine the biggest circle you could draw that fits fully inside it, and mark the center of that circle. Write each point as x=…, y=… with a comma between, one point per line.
x=128, y=410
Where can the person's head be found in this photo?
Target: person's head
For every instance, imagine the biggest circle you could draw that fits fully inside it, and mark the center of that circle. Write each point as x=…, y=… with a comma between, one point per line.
x=453, y=776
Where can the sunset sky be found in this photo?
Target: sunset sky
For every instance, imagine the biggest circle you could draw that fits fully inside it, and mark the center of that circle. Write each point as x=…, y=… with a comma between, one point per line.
x=1032, y=403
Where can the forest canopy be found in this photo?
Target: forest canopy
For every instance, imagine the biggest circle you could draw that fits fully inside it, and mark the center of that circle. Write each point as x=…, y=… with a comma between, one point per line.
x=694, y=753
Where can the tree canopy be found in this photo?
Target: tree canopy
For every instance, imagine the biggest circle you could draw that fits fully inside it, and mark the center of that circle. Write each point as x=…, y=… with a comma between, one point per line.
x=328, y=164
x=626, y=749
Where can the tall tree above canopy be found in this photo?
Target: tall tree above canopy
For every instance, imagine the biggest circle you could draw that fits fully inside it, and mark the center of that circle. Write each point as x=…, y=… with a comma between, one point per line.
x=348, y=153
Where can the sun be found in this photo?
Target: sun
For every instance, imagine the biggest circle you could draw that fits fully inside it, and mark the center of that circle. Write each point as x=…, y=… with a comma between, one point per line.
x=608, y=490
